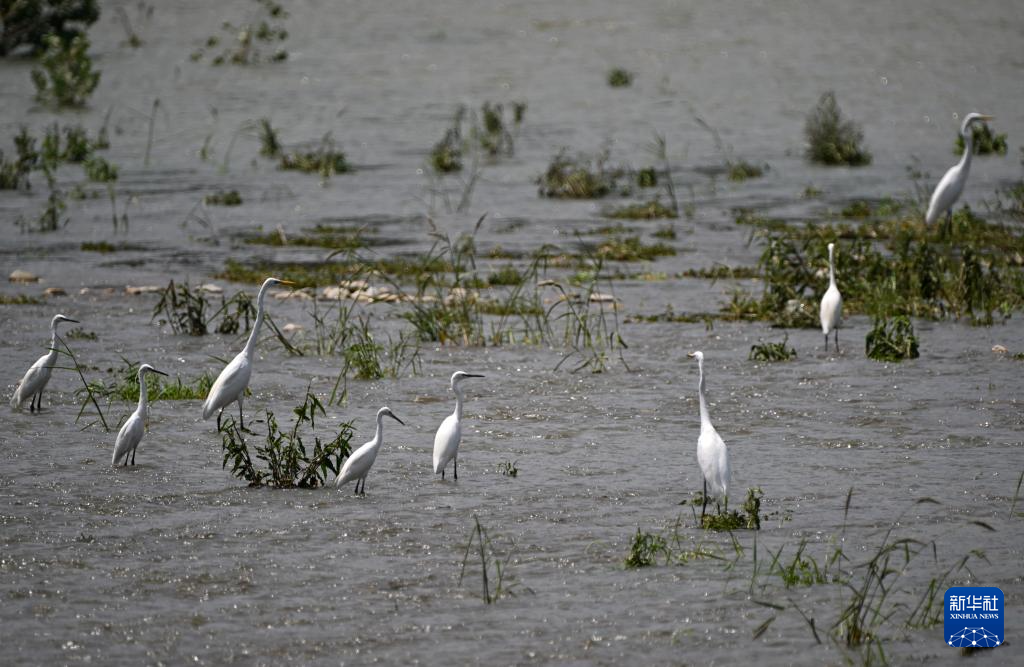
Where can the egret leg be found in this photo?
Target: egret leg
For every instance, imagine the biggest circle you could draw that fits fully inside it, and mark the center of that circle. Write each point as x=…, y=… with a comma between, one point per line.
x=219, y=415
x=362, y=490
x=456, y=459
x=837, y=340
x=704, y=505
x=32, y=404
x=826, y=342
x=241, y=419
x=39, y=402
x=356, y=492
x=442, y=473
x=133, y=454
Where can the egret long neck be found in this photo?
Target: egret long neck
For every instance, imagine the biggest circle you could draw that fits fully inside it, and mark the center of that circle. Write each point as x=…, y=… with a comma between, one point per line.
x=52, y=354
x=965, y=159
x=458, y=401
x=831, y=270
x=705, y=420
x=250, y=345
x=378, y=436
x=143, y=394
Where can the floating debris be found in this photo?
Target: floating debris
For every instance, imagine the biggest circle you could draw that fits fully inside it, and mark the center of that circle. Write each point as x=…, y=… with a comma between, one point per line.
x=20, y=276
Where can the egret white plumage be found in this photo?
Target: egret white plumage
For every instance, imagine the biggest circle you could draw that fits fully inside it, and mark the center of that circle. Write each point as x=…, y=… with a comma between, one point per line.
x=952, y=184
x=449, y=434
x=130, y=435
x=831, y=302
x=712, y=455
x=357, y=465
x=232, y=382
x=35, y=379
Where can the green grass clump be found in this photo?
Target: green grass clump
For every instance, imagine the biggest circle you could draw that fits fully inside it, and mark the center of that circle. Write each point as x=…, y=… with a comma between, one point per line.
x=983, y=140
x=319, y=236
x=66, y=78
x=325, y=160
x=252, y=42
x=30, y=22
x=725, y=520
x=831, y=140
x=619, y=78
x=856, y=209
x=651, y=210
x=223, y=198
x=19, y=300
x=486, y=132
x=123, y=384
x=286, y=461
x=188, y=311
x=667, y=232
x=632, y=249
x=582, y=177
x=892, y=340
x=772, y=351
x=647, y=177
x=508, y=468
x=98, y=170
x=14, y=173
x=741, y=170
x=495, y=578
x=645, y=550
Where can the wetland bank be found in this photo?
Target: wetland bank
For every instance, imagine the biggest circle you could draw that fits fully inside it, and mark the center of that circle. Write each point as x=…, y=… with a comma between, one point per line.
x=566, y=199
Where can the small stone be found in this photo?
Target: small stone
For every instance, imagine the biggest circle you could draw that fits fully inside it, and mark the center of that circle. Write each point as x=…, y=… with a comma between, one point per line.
x=142, y=289
x=292, y=327
x=334, y=293
x=600, y=297
x=999, y=349
x=54, y=291
x=19, y=276
x=211, y=288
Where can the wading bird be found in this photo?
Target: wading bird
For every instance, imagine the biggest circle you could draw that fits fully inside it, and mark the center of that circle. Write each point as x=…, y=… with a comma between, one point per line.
x=712, y=455
x=233, y=380
x=358, y=464
x=38, y=375
x=952, y=184
x=831, y=303
x=449, y=434
x=130, y=435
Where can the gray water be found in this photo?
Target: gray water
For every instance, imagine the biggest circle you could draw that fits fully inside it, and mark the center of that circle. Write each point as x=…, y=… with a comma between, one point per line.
x=174, y=560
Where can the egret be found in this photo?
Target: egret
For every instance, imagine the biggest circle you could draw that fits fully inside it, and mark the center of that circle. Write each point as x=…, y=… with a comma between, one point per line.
x=38, y=375
x=831, y=303
x=231, y=383
x=712, y=455
x=952, y=184
x=130, y=435
x=359, y=462
x=449, y=434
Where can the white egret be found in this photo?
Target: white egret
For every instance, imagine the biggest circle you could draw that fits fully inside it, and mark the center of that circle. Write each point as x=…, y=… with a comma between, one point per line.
x=38, y=375
x=831, y=303
x=712, y=455
x=449, y=434
x=952, y=184
x=357, y=465
x=130, y=435
x=231, y=383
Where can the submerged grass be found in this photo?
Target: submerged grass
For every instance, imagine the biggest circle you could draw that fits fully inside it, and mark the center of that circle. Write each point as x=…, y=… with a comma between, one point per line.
x=495, y=579
x=831, y=139
x=892, y=340
x=772, y=351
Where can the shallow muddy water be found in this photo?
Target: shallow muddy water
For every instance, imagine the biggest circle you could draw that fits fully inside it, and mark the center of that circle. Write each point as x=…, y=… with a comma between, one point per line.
x=174, y=560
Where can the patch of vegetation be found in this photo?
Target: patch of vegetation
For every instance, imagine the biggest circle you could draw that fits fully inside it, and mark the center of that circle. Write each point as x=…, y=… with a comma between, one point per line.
x=582, y=177
x=772, y=351
x=98, y=246
x=14, y=173
x=487, y=132
x=508, y=468
x=741, y=170
x=99, y=170
x=647, y=548
x=983, y=141
x=223, y=198
x=30, y=22
x=892, y=340
x=325, y=159
x=619, y=78
x=19, y=300
x=252, y=42
x=66, y=78
x=632, y=249
x=78, y=333
x=725, y=520
x=495, y=578
x=651, y=210
x=188, y=311
x=285, y=460
x=832, y=140
x=319, y=236
x=647, y=177
x=123, y=385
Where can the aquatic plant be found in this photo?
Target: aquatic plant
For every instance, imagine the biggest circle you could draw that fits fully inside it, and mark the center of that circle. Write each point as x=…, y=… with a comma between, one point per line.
x=892, y=340
x=650, y=210
x=66, y=78
x=619, y=78
x=508, y=468
x=123, y=385
x=832, y=140
x=14, y=173
x=30, y=22
x=647, y=177
x=470, y=133
x=252, y=42
x=99, y=170
x=645, y=550
x=582, y=177
x=736, y=169
x=19, y=300
x=631, y=249
x=188, y=311
x=984, y=141
x=223, y=198
x=285, y=460
x=446, y=155
x=495, y=579
x=270, y=144
x=337, y=238
x=772, y=351
x=89, y=397
x=325, y=160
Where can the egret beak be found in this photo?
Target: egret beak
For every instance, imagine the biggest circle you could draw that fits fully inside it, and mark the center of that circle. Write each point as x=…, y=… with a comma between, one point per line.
x=159, y=372
x=68, y=319
x=287, y=282
x=472, y=375
x=396, y=419
x=987, y=118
